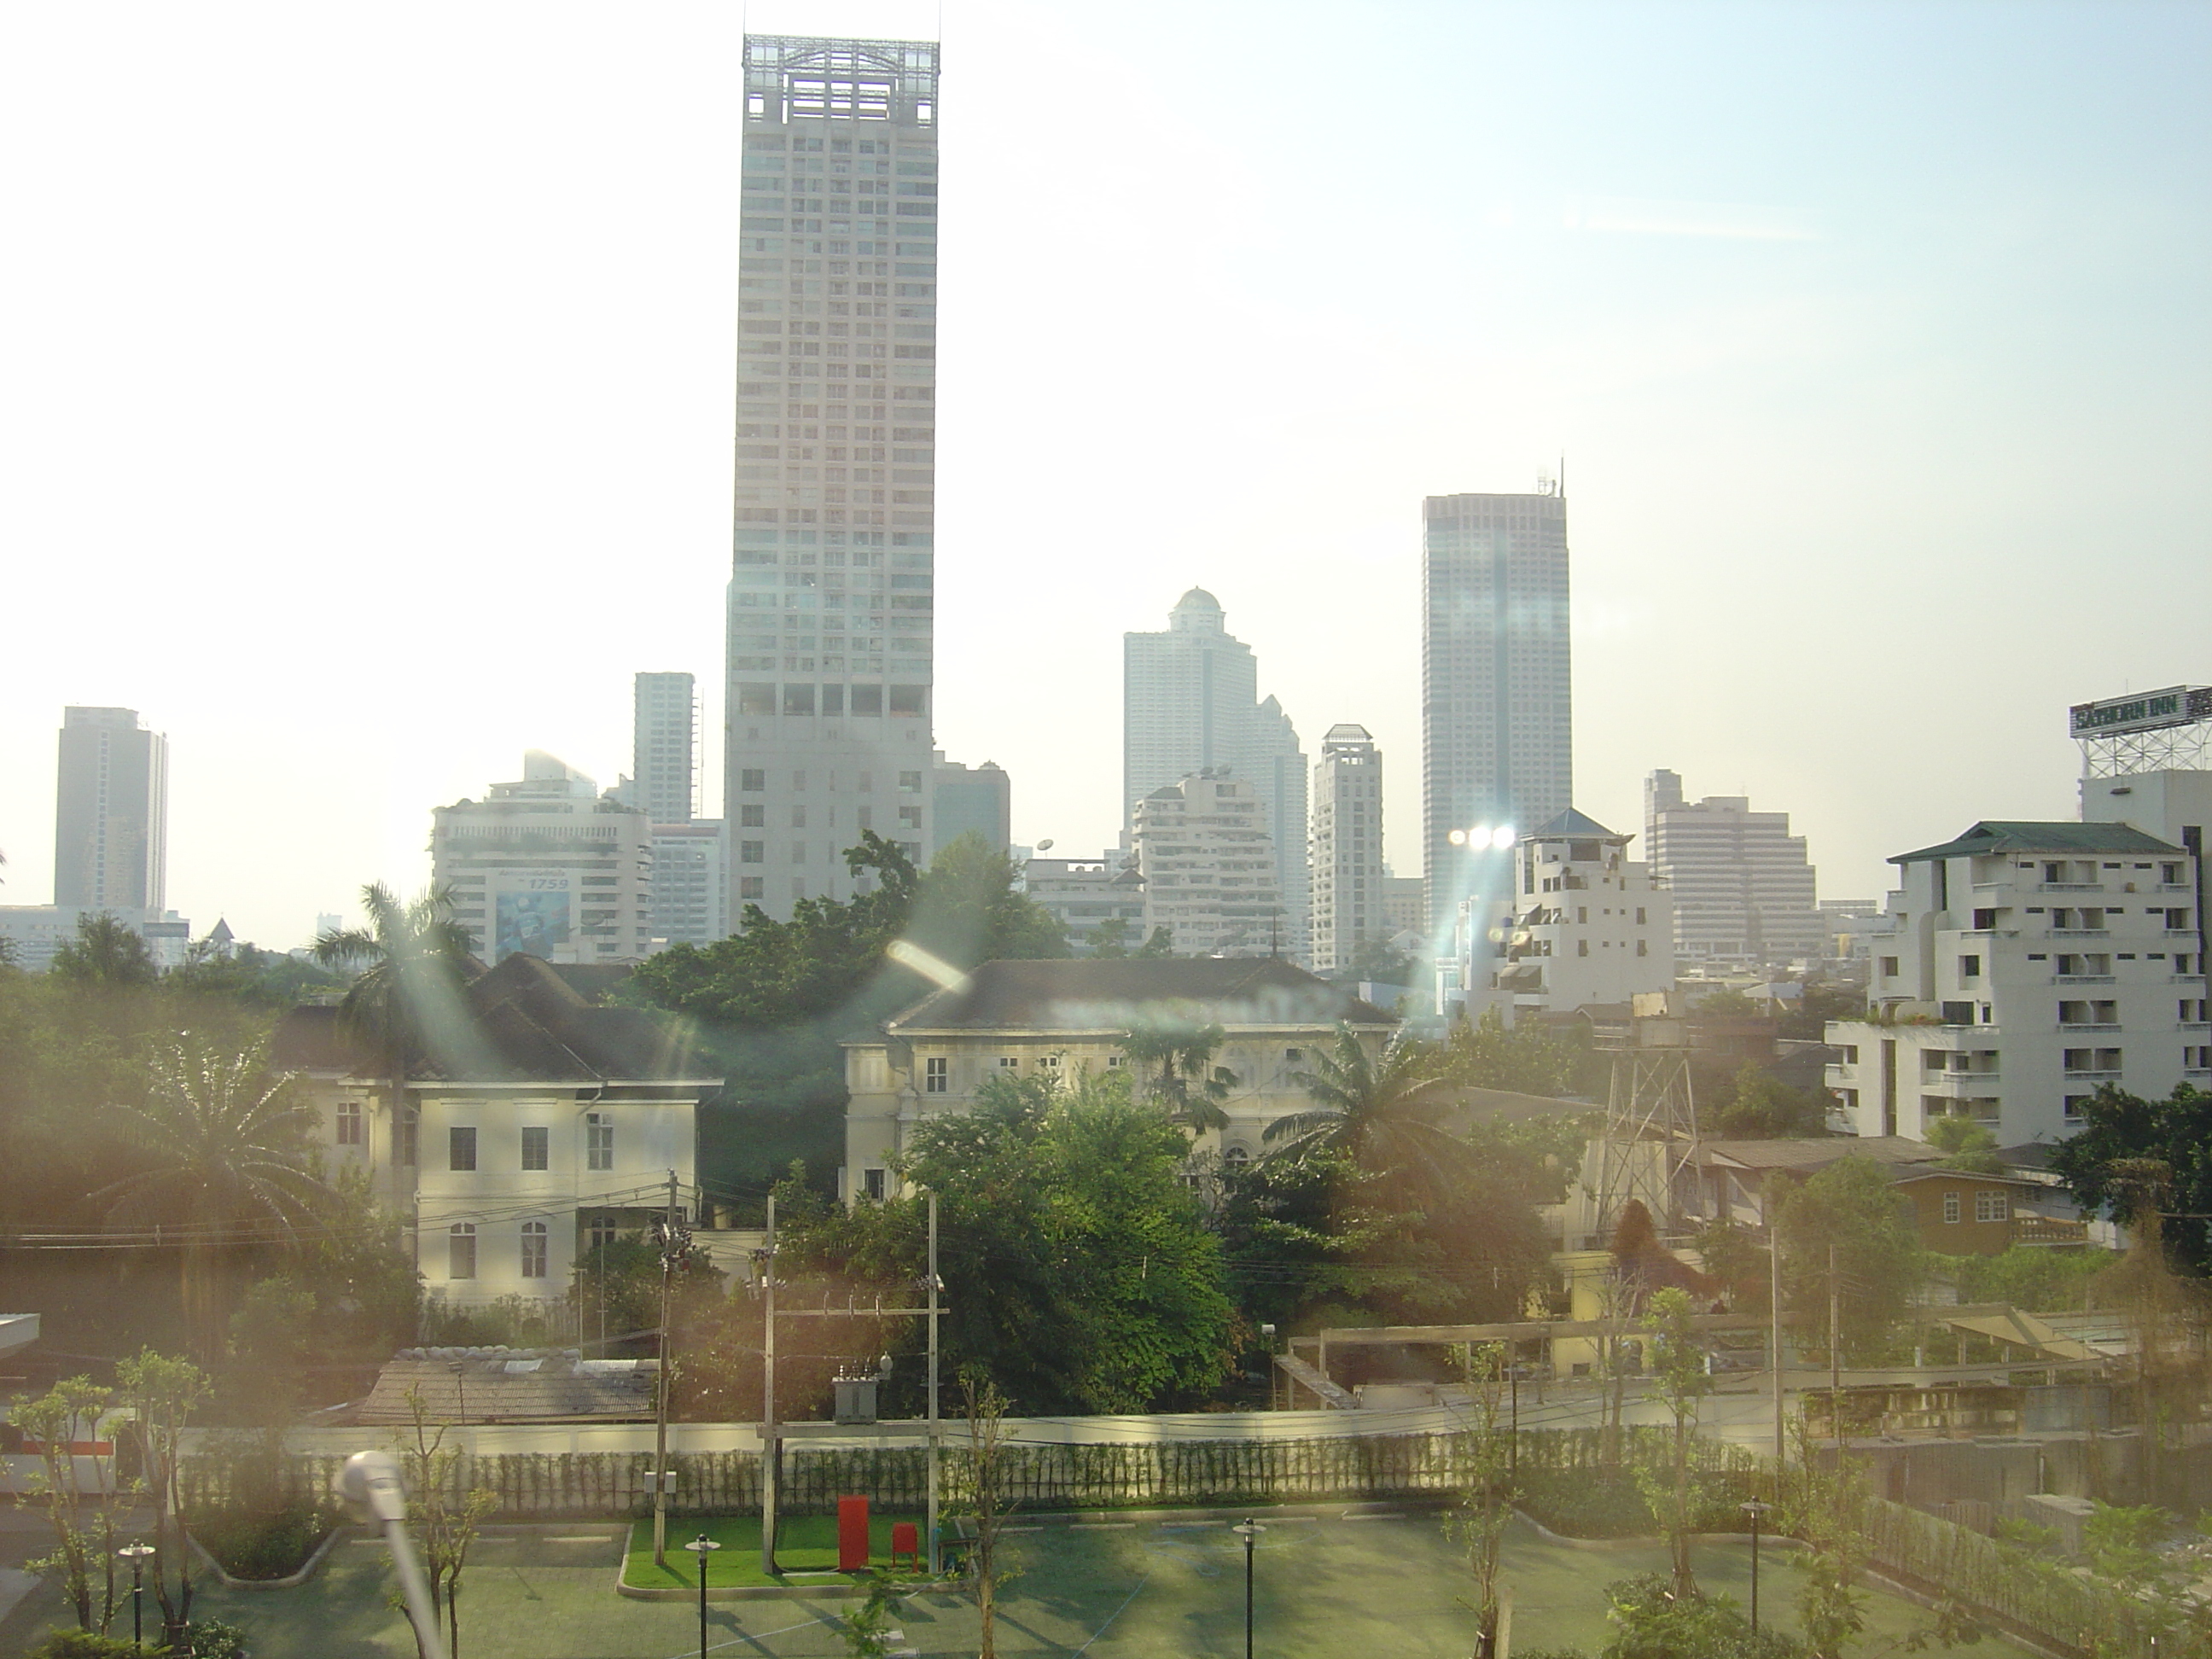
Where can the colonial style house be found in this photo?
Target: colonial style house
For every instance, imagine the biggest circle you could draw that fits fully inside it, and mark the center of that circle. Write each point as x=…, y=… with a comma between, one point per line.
x=533, y=1120
x=1018, y=1019
x=1957, y=1212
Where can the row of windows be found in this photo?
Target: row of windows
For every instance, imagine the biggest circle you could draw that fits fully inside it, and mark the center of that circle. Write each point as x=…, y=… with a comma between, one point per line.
x=1988, y=1207
x=753, y=779
x=461, y=1250
x=533, y=1151
x=937, y=1069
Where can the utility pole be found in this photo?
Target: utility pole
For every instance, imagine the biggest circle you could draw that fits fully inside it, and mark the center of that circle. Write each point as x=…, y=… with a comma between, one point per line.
x=1774, y=1335
x=672, y=1244
x=771, y=1448
x=1835, y=1354
x=935, y=1562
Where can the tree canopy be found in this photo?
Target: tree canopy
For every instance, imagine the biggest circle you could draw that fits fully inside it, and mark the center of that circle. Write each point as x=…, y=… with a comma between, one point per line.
x=2117, y=1127
x=1852, y=1209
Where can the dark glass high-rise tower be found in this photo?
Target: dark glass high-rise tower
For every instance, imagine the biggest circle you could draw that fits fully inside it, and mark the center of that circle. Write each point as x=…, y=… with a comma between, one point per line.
x=1497, y=684
x=111, y=813
x=830, y=668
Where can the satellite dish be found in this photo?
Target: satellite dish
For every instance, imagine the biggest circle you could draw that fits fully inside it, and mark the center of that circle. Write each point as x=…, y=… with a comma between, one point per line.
x=1045, y=846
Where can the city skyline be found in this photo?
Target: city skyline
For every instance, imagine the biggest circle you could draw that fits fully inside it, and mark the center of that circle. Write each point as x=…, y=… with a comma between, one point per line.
x=1819, y=393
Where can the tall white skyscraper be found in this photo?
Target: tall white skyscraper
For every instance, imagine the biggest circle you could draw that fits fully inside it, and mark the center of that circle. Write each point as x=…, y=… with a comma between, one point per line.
x=663, y=748
x=1742, y=888
x=1496, y=683
x=1348, y=848
x=1191, y=704
x=110, y=813
x=830, y=662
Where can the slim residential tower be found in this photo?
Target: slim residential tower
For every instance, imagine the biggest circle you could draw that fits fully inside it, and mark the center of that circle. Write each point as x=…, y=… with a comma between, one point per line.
x=828, y=716
x=112, y=812
x=1497, y=728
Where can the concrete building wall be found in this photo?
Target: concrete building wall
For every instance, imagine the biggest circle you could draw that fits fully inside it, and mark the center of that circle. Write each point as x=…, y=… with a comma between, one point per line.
x=1744, y=891
x=1208, y=865
x=831, y=605
x=1349, y=904
x=664, y=747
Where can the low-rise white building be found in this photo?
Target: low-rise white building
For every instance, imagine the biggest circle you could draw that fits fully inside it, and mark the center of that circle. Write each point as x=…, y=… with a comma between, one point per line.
x=2026, y=965
x=533, y=1122
x=1584, y=925
x=1085, y=895
x=1017, y=1019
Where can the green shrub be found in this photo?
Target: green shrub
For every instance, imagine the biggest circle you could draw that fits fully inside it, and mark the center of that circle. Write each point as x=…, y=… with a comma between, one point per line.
x=213, y=1639
x=82, y=1645
x=262, y=1544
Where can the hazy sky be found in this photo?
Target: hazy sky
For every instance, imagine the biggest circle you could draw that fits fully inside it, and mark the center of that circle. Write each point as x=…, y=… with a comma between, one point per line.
x=366, y=390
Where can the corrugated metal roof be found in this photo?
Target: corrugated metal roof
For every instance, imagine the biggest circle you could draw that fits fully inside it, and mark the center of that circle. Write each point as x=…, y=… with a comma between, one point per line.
x=513, y=1386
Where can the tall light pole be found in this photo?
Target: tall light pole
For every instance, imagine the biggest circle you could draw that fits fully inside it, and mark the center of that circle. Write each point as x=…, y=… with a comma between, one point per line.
x=135, y=1554
x=934, y=1286
x=703, y=1547
x=1756, y=1510
x=674, y=1239
x=1250, y=1532
x=369, y=1480
x=771, y=1448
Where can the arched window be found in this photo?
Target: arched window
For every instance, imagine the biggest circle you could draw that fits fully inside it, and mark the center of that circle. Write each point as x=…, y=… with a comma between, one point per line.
x=461, y=1251
x=1236, y=1156
x=533, y=1249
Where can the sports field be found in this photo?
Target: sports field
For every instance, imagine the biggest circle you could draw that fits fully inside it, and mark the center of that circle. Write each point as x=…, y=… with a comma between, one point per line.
x=1333, y=1584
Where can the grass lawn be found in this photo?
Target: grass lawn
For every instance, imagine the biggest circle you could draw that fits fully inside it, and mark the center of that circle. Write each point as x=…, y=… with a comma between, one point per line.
x=806, y=1543
x=1324, y=1588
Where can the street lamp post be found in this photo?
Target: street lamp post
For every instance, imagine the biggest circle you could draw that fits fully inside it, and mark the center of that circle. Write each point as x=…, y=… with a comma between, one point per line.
x=135, y=1554
x=702, y=1546
x=1757, y=1511
x=1250, y=1532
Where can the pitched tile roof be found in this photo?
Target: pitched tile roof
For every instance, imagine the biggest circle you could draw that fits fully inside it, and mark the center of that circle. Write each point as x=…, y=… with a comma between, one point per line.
x=522, y=1021
x=1111, y=993
x=1817, y=1153
x=509, y=1385
x=1996, y=836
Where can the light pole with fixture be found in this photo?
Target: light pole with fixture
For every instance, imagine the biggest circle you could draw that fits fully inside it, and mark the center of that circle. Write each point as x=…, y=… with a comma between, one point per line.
x=702, y=1546
x=1250, y=1532
x=1756, y=1510
x=135, y=1554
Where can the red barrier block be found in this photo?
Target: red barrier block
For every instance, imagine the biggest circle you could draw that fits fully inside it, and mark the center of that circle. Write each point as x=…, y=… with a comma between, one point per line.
x=906, y=1543
x=851, y=1535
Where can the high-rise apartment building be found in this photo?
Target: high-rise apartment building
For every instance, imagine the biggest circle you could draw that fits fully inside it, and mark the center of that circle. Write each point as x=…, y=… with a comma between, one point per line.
x=830, y=661
x=1496, y=680
x=1208, y=867
x=1348, y=903
x=110, y=813
x=546, y=865
x=1191, y=703
x=1742, y=888
x=664, y=748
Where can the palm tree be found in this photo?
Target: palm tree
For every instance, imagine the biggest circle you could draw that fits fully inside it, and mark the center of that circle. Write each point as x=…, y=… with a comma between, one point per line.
x=1182, y=1051
x=413, y=959
x=1371, y=1111
x=231, y=1163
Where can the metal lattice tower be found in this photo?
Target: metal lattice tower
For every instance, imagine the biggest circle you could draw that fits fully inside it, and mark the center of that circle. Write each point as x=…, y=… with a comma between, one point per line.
x=1650, y=1126
x=2167, y=730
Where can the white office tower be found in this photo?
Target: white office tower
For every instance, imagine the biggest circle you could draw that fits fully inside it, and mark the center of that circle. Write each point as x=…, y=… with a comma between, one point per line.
x=664, y=747
x=690, y=883
x=1496, y=681
x=1584, y=927
x=2025, y=966
x=1743, y=890
x=1191, y=703
x=1208, y=867
x=111, y=813
x=547, y=866
x=828, y=711
x=1348, y=904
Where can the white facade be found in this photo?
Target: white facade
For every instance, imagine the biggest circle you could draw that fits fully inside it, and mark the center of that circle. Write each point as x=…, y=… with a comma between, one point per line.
x=1191, y=703
x=1585, y=927
x=831, y=605
x=37, y=931
x=1020, y=1019
x=498, y=1179
x=690, y=883
x=1743, y=890
x=2027, y=965
x=664, y=748
x=1348, y=894
x=1208, y=866
x=546, y=867
x=1082, y=894
x=1496, y=681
